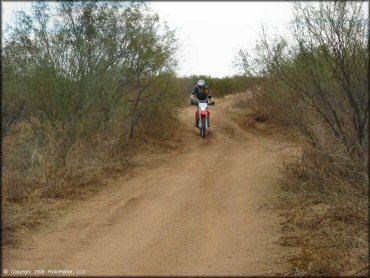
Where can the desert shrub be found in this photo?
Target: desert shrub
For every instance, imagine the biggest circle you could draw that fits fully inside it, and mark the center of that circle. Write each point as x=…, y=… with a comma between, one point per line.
x=83, y=77
x=317, y=83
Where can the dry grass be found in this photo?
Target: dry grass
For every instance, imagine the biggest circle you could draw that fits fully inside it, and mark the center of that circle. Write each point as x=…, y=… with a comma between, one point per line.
x=250, y=114
x=35, y=196
x=327, y=220
x=322, y=199
x=39, y=183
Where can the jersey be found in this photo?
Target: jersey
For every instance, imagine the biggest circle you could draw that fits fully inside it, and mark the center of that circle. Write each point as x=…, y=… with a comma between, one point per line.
x=202, y=94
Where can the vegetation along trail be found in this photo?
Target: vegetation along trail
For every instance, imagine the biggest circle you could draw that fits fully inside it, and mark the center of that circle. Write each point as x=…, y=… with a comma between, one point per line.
x=205, y=210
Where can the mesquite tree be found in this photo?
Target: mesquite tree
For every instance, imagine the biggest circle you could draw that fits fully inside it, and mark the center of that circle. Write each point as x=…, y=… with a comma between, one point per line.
x=324, y=66
x=153, y=60
x=75, y=65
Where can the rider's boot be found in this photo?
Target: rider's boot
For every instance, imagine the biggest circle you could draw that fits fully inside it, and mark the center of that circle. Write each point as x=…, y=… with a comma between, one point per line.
x=197, y=119
x=208, y=123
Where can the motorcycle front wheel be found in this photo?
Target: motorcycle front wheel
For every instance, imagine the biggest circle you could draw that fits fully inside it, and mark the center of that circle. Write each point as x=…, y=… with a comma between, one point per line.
x=203, y=130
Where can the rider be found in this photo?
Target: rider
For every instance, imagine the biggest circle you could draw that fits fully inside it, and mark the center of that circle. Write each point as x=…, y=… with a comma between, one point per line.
x=201, y=91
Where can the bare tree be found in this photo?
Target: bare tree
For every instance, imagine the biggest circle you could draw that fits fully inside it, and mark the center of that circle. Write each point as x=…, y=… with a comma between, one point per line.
x=325, y=67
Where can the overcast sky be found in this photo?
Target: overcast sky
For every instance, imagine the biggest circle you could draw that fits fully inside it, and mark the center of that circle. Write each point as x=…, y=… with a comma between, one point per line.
x=210, y=33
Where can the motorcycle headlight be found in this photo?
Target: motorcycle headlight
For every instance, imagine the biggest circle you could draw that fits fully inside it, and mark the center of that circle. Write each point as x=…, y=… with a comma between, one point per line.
x=202, y=109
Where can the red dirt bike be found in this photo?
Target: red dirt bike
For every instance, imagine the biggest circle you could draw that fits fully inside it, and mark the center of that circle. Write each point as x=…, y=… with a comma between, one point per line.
x=202, y=116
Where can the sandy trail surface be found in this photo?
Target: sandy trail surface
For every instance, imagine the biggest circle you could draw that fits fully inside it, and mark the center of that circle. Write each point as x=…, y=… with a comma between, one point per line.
x=203, y=209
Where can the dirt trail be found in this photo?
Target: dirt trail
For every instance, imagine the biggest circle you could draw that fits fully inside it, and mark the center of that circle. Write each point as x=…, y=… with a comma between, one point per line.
x=205, y=210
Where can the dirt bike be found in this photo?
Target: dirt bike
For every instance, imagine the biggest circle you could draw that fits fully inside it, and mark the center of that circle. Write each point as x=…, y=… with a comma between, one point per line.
x=203, y=115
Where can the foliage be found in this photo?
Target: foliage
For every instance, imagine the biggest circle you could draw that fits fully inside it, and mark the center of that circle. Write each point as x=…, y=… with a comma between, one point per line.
x=220, y=86
x=84, y=74
x=322, y=74
x=318, y=80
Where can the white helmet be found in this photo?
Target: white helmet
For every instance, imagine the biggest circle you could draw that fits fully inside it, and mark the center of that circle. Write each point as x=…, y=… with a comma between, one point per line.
x=201, y=83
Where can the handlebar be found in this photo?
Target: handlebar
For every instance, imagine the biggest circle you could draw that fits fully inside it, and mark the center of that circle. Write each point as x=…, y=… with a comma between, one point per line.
x=210, y=104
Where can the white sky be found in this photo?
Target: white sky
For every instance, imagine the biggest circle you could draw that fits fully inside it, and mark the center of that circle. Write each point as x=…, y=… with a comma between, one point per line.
x=210, y=33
